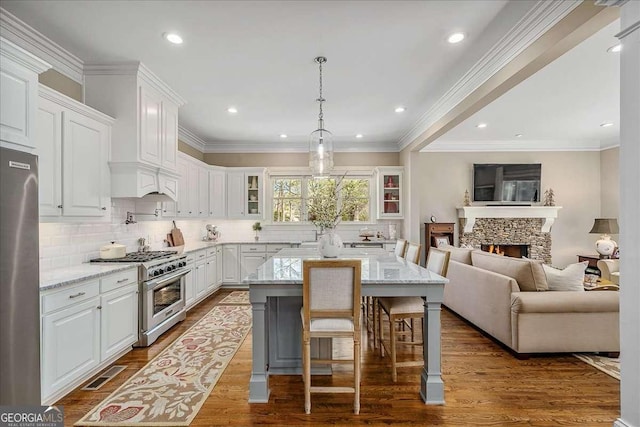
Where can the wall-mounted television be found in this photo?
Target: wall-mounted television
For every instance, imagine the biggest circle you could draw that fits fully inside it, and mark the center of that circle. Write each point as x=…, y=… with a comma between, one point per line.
x=507, y=183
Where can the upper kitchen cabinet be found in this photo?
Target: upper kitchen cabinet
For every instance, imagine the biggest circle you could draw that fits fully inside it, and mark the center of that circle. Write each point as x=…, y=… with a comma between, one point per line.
x=390, y=192
x=217, y=193
x=18, y=96
x=245, y=193
x=193, y=189
x=72, y=142
x=145, y=137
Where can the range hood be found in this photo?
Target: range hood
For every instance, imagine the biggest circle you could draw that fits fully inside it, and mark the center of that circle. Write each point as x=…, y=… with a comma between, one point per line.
x=139, y=180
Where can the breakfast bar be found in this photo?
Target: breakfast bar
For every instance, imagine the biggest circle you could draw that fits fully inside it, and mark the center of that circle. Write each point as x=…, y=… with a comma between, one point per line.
x=276, y=298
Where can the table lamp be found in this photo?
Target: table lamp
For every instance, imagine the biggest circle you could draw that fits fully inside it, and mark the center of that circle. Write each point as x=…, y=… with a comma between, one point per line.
x=605, y=226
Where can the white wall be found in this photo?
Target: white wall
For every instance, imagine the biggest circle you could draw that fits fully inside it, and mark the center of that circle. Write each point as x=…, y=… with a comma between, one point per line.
x=440, y=180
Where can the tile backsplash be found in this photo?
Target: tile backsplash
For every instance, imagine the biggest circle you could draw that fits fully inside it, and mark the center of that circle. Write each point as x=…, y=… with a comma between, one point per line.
x=70, y=243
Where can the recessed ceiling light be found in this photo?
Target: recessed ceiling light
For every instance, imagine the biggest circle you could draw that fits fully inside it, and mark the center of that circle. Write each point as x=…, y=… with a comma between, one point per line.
x=481, y=125
x=400, y=109
x=606, y=124
x=518, y=135
x=283, y=135
x=173, y=38
x=232, y=110
x=615, y=48
x=455, y=38
x=359, y=135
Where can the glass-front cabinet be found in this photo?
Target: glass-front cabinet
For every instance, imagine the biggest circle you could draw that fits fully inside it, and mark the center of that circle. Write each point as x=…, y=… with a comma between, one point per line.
x=390, y=192
x=245, y=193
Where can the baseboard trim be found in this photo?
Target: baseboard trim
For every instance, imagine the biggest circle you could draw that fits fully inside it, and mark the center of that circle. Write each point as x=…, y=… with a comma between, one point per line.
x=621, y=423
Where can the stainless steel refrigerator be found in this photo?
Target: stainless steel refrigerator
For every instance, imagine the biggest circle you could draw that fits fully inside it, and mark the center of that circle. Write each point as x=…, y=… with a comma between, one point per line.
x=19, y=279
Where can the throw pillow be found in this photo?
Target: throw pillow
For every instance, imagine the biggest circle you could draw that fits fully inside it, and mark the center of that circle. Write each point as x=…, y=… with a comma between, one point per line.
x=568, y=279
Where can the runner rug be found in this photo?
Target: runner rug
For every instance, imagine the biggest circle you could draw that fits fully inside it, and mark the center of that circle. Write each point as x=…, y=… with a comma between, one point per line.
x=608, y=365
x=236, y=297
x=172, y=387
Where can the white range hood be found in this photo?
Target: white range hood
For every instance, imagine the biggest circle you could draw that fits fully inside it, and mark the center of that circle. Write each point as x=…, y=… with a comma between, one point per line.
x=139, y=180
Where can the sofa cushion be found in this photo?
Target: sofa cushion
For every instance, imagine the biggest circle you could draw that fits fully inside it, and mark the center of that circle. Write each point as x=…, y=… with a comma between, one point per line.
x=462, y=255
x=571, y=278
x=528, y=273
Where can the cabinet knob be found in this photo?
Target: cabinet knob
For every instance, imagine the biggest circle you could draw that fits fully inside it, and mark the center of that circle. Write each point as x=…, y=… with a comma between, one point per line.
x=103, y=208
x=99, y=307
x=59, y=206
x=190, y=212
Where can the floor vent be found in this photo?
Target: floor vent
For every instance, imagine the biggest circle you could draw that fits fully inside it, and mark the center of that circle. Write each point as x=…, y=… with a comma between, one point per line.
x=104, y=377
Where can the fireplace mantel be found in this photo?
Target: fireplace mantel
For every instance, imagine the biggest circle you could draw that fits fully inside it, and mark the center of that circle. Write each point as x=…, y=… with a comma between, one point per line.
x=471, y=213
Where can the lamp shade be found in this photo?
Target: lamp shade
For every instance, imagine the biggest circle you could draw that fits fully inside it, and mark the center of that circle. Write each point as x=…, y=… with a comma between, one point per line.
x=605, y=226
x=321, y=152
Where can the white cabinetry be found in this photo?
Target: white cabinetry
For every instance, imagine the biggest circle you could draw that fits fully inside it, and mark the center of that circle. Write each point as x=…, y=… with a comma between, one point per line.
x=203, y=192
x=212, y=266
x=193, y=189
x=201, y=274
x=73, y=143
x=390, y=193
x=217, y=193
x=245, y=193
x=252, y=257
x=18, y=96
x=231, y=264
x=190, y=281
x=84, y=328
x=219, y=260
x=145, y=136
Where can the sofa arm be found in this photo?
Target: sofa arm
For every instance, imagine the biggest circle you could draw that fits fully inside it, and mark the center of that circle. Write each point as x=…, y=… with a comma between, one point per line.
x=608, y=267
x=564, y=302
x=560, y=322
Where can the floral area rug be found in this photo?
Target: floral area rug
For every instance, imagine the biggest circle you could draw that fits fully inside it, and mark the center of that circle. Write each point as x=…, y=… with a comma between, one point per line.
x=608, y=365
x=171, y=388
x=236, y=297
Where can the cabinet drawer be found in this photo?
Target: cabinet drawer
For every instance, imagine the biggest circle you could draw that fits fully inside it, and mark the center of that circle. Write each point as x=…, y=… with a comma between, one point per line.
x=200, y=255
x=272, y=249
x=191, y=257
x=70, y=296
x=253, y=248
x=212, y=251
x=118, y=280
x=442, y=228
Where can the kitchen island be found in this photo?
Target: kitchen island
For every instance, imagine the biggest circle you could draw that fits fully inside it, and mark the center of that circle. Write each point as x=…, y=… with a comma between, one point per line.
x=275, y=292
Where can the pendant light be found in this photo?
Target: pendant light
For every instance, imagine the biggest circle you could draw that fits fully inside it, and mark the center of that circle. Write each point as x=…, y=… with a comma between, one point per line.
x=320, y=140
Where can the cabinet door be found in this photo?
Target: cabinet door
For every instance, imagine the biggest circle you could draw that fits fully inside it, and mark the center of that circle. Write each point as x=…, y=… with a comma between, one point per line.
x=211, y=273
x=219, y=266
x=170, y=135
x=253, y=196
x=49, y=150
x=230, y=264
x=182, y=208
x=203, y=192
x=150, y=126
x=217, y=194
x=201, y=279
x=85, y=146
x=71, y=344
x=119, y=322
x=390, y=195
x=190, y=286
x=250, y=263
x=192, y=190
x=235, y=194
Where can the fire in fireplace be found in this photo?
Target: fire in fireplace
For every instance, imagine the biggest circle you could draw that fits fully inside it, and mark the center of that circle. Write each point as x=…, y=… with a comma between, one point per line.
x=515, y=251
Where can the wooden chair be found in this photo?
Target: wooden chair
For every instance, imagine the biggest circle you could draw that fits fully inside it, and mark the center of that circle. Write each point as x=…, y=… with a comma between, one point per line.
x=331, y=308
x=398, y=309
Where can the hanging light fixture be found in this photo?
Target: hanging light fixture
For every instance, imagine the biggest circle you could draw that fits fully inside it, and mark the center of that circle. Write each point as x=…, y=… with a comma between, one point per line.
x=320, y=140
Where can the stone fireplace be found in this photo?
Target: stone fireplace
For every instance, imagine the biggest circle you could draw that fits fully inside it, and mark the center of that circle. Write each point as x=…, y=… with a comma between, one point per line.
x=515, y=251
x=519, y=230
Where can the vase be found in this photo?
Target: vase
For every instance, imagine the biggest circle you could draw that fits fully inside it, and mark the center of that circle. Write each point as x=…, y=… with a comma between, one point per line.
x=330, y=244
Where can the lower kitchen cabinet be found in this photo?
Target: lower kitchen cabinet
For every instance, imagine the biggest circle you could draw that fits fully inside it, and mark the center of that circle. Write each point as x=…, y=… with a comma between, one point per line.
x=85, y=327
x=253, y=256
x=201, y=279
x=190, y=281
x=219, y=264
x=230, y=264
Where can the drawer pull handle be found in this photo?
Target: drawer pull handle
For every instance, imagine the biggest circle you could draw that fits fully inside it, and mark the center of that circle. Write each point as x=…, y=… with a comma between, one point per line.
x=79, y=294
x=59, y=206
x=253, y=249
x=103, y=208
x=200, y=256
x=99, y=307
x=122, y=280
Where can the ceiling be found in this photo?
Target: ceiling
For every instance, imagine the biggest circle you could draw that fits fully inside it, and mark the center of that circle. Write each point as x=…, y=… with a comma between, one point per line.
x=258, y=57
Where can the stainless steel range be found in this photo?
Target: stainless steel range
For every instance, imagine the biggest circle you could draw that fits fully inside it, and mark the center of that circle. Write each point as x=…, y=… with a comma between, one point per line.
x=161, y=275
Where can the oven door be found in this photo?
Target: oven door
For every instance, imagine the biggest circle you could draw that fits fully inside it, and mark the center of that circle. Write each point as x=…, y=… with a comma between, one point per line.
x=162, y=298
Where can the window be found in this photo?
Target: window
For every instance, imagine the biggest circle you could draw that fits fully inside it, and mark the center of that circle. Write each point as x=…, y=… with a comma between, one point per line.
x=292, y=197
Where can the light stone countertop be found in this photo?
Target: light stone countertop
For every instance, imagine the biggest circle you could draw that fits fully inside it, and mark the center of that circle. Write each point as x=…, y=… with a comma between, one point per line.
x=65, y=276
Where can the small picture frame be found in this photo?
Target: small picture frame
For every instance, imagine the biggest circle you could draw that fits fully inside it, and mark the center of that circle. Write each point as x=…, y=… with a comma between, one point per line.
x=441, y=241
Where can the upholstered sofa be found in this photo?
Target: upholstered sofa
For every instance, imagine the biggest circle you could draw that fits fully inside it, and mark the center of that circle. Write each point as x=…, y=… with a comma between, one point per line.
x=508, y=298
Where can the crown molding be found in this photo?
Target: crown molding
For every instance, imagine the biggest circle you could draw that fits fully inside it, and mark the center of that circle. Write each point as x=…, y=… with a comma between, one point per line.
x=527, y=30
x=36, y=43
x=134, y=68
x=293, y=147
x=515, y=146
x=15, y=53
x=191, y=139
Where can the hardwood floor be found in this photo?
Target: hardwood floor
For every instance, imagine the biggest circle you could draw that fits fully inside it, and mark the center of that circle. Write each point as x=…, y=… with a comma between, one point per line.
x=484, y=386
